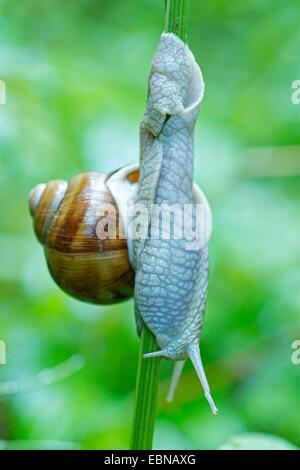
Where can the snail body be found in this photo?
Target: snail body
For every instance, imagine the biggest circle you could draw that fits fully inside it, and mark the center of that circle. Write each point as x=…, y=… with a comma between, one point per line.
x=171, y=275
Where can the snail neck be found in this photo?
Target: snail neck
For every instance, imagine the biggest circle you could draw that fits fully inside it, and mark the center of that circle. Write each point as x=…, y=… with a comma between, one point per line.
x=175, y=183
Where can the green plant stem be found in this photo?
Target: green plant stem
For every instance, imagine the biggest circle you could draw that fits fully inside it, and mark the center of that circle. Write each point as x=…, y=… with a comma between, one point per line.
x=145, y=394
x=148, y=369
x=176, y=17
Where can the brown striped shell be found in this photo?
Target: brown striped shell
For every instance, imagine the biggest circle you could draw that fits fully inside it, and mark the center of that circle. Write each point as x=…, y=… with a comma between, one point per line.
x=65, y=220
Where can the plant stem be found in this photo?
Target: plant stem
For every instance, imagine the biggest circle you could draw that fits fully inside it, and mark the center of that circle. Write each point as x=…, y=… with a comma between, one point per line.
x=145, y=394
x=176, y=17
x=148, y=369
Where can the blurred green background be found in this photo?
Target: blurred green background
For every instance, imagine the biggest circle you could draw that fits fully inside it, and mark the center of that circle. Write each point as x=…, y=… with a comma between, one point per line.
x=76, y=79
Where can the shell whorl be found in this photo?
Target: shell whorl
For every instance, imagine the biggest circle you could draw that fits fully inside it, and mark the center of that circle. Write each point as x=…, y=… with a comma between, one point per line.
x=35, y=196
x=44, y=201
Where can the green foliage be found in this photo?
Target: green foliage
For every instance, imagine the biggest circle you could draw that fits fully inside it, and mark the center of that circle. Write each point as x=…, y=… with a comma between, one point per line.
x=76, y=80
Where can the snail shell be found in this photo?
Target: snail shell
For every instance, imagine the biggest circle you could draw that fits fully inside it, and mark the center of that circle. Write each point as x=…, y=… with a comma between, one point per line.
x=65, y=220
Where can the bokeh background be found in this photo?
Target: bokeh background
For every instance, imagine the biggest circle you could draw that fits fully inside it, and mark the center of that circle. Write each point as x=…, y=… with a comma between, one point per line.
x=76, y=78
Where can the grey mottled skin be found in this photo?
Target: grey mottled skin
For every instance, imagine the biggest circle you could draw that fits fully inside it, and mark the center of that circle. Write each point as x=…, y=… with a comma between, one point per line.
x=171, y=282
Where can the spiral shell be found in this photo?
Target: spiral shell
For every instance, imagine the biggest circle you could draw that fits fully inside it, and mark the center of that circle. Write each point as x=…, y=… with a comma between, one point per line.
x=65, y=221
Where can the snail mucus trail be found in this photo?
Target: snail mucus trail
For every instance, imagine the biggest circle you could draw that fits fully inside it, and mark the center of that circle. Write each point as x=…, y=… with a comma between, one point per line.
x=169, y=282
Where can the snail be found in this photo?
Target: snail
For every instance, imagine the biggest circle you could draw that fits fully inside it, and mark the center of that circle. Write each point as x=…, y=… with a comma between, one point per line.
x=167, y=277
